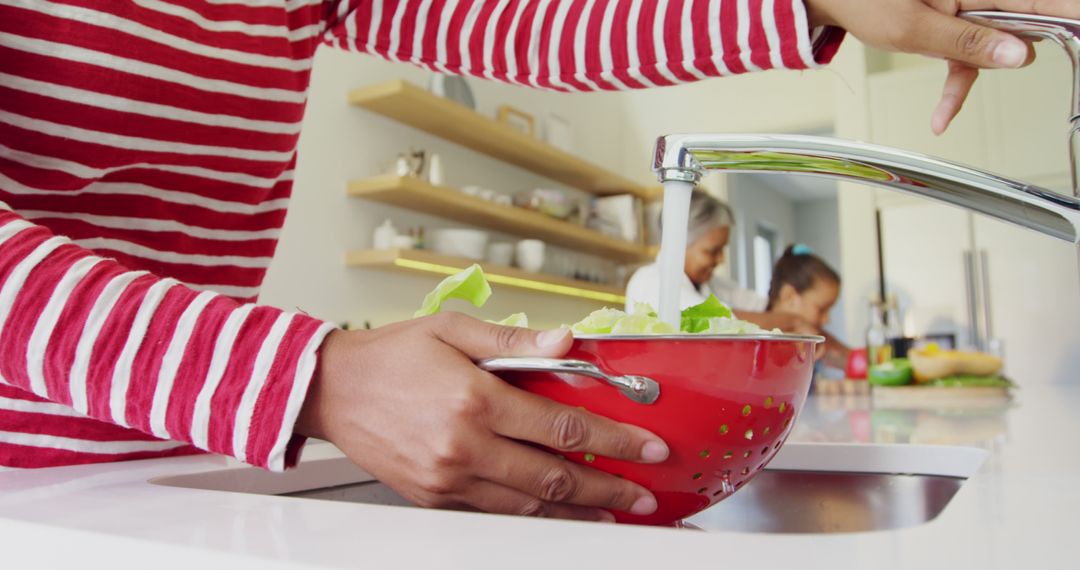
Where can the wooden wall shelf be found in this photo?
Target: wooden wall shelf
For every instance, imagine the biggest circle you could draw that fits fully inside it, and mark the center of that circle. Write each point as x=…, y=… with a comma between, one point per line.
x=416, y=107
x=417, y=195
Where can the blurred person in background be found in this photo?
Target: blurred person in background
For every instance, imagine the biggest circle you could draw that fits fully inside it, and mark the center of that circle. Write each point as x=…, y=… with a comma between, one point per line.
x=708, y=233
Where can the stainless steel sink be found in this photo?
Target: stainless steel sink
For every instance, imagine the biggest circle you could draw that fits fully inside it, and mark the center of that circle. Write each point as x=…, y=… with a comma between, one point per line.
x=775, y=501
x=823, y=502
x=808, y=488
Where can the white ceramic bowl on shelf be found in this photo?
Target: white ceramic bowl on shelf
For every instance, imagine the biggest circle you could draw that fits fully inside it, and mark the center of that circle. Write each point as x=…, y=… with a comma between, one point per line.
x=460, y=242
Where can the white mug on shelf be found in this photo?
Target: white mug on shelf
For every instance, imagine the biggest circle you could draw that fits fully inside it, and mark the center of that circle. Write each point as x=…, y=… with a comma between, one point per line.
x=501, y=253
x=530, y=254
x=384, y=235
x=435, y=170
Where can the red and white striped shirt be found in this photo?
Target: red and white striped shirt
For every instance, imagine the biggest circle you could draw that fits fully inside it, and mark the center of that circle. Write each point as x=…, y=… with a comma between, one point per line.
x=147, y=150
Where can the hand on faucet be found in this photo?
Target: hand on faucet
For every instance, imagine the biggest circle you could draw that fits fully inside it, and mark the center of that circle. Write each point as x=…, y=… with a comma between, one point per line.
x=930, y=27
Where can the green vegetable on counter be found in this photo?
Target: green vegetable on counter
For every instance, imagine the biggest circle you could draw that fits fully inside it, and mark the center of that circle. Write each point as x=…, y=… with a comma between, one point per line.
x=709, y=317
x=965, y=381
x=895, y=372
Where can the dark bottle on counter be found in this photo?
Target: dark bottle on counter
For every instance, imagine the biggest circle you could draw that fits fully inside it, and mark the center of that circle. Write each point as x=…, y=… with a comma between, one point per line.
x=894, y=331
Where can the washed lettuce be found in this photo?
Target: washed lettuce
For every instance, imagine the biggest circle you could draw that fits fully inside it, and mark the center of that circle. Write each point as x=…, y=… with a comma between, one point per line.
x=643, y=320
x=731, y=325
x=468, y=284
x=599, y=321
x=699, y=317
x=709, y=317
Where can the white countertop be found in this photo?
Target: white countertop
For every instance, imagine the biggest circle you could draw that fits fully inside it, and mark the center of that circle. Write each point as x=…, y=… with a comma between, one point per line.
x=1022, y=509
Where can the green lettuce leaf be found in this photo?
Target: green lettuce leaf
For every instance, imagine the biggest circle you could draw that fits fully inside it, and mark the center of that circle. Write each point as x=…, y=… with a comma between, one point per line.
x=962, y=381
x=641, y=324
x=697, y=318
x=710, y=317
x=468, y=284
x=599, y=321
x=728, y=325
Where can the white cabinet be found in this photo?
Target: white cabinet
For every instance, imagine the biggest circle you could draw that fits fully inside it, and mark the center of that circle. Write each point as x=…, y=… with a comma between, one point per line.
x=1025, y=114
x=1033, y=300
x=923, y=246
x=1013, y=124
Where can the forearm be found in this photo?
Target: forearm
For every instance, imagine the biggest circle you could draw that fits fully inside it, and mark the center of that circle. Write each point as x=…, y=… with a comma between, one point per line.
x=582, y=45
x=138, y=351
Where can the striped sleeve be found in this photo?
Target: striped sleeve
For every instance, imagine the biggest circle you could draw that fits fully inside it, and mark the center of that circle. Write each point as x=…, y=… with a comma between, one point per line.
x=147, y=353
x=585, y=45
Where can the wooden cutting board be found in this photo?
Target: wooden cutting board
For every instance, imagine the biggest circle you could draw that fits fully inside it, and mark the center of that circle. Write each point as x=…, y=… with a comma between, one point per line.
x=922, y=397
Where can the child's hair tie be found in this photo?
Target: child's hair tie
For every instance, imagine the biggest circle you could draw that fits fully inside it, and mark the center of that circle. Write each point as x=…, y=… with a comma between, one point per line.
x=801, y=249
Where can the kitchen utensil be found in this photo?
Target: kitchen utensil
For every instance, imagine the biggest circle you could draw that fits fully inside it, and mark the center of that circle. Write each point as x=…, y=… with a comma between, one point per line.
x=454, y=88
x=530, y=254
x=383, y=236
x=939, y=398
x=725, y=405
x=460, y=242
x=501, y=253
x=856, y=364
x=548, y=201
x=516, y=119
x=618, y=216
x=435, y=170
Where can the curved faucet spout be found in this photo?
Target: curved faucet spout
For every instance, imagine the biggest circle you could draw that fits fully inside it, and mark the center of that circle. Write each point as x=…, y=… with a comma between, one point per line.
x=686, y=157
x=1063, y=32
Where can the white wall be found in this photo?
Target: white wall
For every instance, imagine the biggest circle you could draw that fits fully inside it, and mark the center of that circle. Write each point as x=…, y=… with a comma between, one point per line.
x=755, y=203
x=341, y=142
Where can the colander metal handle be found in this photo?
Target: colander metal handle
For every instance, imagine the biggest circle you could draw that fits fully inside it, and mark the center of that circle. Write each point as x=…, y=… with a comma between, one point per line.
x=638, y=388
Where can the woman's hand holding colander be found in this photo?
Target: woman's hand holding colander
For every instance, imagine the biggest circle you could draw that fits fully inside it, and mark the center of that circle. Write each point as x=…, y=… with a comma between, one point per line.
x=407, y=403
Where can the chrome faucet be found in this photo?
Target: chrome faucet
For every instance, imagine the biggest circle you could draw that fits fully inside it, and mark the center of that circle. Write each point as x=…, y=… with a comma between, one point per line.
x=687, y=157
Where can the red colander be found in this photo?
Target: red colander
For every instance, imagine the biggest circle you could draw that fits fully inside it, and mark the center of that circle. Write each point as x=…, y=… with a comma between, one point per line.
x=723, y=403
